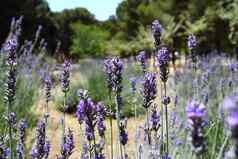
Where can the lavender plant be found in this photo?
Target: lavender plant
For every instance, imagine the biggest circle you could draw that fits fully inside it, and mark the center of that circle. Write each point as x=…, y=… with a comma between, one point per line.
x=20, y=148
x=40, y=150
x=92, y=115
x=10, y=47
x=65, y=81
x=192, y=44
x=108, y=71
x=48, y=87
x=163, y=64
x=196, y=122
x=67, y=146
x=148, y=92
x=141, y=57
x=116, y=66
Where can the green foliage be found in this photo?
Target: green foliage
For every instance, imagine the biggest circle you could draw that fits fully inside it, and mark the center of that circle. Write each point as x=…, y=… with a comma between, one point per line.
x=88, y=41
x=143, y=41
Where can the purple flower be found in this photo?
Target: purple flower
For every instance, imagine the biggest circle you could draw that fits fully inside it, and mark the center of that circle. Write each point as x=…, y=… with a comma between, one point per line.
x=117, y=67
x=163, y=57
x=123, y=133
x=192, y=42
x=148, y=90
x=113, y=67
x=163, y=63
x=67, y=146
x=38, y=150
x=4, y=151
x=64, y=77
x=89, y=131
x=156, y=30
x=195, y=110
x=108, y=71
x=48, y=87
x=47, y=149
x=196, y=114
x=142, y=59
x=155, y=120
x=11, y=49
x=86, y=108
x=101, y=126
x=230, y=105
x=84, y=153
x=133, y=81
x=12, y=119
x=156, y=27
x=21, y=133
x=92, y=115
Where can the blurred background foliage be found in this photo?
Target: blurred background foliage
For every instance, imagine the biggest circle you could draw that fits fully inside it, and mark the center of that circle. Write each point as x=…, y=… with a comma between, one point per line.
x=215, y=22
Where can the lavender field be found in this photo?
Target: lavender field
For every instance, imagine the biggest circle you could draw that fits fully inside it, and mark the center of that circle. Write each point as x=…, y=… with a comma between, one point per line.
x=142, y=107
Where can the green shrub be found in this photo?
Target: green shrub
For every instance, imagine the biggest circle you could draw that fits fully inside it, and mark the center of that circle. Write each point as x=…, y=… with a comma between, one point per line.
x=88, y=41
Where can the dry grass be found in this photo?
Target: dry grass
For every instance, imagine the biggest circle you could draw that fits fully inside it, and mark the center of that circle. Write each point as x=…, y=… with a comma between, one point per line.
x=54, y=132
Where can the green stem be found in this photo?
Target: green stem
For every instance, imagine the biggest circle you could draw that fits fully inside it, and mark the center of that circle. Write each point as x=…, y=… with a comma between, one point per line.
x=147, y=124
x=111, y=128
x=162, y=121
x=10, y=130
x=118, y=124
x=166, y=121
x=63, y=120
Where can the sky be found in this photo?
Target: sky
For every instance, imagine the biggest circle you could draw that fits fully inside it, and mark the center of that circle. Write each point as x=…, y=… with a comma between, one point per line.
x=102, y=9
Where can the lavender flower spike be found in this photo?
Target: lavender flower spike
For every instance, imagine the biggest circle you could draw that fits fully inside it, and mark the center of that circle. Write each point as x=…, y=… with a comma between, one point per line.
x=163, y=63
x=64, y=78
x=148, y=90
x=108, y=71
x=67, y=146
x=133, y=81
x=38, y=150
x=196, y=120
x=156, y=30
x=20, y=145
x=142, y=59
x=192, y=42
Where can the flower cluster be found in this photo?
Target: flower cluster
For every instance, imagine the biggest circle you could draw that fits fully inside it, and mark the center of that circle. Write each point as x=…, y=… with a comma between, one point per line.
x=154, y=120
x=39, y=150
x=148, y=90
x=192, y=44
x=123, y=133
x=92, y=115
x=48, y=87
x=141, y=57
x=67, y=146
x=64, y=77
x=133, y=81
x=156, y=29
x=108, y=70
x=22, y=125
x=11, y=49
x=196, y=120
x=114, y=68
x=163, y=63
x=4, y=151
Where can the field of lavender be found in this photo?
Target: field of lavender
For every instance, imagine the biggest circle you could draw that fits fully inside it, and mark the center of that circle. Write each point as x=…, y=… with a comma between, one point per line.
x=138, y=108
